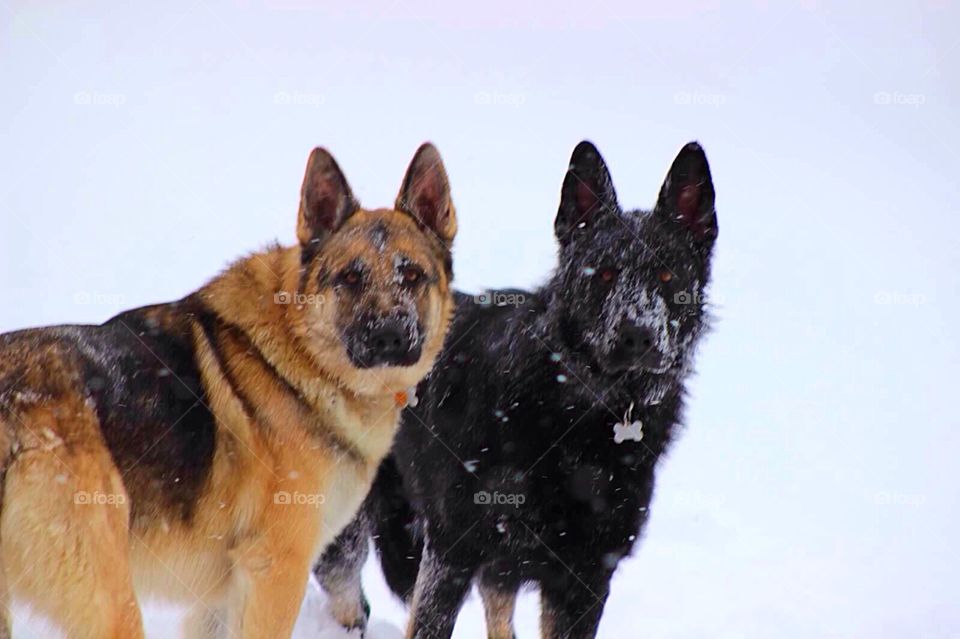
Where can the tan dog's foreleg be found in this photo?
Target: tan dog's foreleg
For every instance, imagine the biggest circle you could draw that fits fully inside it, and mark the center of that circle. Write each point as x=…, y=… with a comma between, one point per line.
x=272, y=574
x=204, y=621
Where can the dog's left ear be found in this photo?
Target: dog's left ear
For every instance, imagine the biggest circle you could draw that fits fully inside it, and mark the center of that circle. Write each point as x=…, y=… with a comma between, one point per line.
x=425, y=194
x=687, y=195
x=325, y=198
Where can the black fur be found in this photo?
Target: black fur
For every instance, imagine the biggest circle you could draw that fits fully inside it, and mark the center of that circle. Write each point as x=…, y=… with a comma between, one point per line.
x=155, y=416
x=138, y=372
x=509, y=462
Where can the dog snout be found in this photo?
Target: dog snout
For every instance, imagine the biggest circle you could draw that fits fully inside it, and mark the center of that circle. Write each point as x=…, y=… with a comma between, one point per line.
x=636, y=346
x=387, y=342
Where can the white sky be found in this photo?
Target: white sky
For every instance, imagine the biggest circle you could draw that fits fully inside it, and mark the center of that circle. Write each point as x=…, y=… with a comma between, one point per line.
x=814, y=492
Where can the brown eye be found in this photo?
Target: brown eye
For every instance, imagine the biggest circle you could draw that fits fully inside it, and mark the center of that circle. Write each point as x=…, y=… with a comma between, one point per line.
x=351, y=278
x=607, y=275
x=412, y=275
x=665, y=276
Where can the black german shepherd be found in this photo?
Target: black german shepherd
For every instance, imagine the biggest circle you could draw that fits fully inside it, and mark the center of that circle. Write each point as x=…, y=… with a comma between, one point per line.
x=531, y=455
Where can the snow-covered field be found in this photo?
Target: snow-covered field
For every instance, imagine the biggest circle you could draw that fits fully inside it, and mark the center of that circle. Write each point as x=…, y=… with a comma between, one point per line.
x=814, y=491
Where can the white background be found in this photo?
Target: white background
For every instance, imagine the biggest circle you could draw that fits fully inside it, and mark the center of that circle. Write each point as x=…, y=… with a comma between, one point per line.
x=814, y=492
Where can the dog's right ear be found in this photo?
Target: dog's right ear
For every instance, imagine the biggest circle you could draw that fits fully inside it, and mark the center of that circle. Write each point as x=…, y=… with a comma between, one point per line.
x=587, y=192
x=325, y=198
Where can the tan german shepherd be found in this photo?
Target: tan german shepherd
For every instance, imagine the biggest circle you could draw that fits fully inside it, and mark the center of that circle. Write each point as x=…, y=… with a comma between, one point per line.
x=208, y=449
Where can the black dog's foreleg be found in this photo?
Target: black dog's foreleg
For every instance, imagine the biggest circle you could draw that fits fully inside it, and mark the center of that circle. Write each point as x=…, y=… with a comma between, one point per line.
x=437, y=597
x=499, y=593
x=572, y=604
x=339, y=571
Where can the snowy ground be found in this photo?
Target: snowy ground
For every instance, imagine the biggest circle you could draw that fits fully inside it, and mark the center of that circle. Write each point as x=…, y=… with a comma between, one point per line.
x=163, y=622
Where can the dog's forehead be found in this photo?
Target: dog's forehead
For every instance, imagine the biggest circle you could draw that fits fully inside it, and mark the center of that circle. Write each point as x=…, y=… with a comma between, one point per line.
x=621, y=240
x=378, y=238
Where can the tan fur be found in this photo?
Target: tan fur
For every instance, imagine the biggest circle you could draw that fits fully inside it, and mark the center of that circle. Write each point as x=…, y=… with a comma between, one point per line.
x=498, y=605
x=283, y=482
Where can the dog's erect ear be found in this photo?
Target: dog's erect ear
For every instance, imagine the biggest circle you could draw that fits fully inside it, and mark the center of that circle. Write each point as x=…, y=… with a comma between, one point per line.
x=587, y=192
x=687, y=196
x=425, y=194
x=325, y=199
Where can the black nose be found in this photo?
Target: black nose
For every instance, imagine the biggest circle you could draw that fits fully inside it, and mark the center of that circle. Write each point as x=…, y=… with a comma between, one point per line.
x=388, y=342
x=635, y=340
x=635, y=345
x=384, y=343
